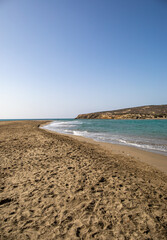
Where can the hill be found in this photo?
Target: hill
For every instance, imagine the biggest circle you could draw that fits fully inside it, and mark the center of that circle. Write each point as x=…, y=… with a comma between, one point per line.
x=143, y=112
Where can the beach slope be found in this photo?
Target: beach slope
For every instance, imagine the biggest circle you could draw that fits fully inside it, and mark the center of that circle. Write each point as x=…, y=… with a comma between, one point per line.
x=58, y=187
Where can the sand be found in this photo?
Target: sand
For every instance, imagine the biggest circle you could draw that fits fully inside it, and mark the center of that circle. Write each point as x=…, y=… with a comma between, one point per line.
x=156, y=160
x=59, y=187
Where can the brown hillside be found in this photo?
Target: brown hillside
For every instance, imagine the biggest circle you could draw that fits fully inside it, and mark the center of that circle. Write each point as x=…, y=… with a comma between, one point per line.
x=144, y=112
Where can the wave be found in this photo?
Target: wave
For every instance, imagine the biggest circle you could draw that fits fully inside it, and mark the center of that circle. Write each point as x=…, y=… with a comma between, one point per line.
x=80, y=133
x=143, y=145
x=77, y=133
x=85, y=129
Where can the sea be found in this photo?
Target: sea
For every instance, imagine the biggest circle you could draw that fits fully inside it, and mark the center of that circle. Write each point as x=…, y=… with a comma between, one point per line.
x=150, y=135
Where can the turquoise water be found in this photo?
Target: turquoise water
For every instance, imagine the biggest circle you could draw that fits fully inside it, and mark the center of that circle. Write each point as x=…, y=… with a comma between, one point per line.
x=150, y=135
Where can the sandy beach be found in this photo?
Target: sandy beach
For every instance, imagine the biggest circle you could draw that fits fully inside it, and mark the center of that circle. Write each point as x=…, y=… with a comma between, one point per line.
x=54, y=186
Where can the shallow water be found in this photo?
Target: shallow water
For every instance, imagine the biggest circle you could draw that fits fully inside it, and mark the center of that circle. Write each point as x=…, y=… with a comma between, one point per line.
x=150, y=135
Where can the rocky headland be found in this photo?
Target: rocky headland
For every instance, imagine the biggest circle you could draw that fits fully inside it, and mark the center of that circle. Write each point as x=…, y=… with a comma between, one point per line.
x=144, y=112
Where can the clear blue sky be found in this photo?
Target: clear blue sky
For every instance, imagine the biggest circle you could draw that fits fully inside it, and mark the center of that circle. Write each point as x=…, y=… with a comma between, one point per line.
x=59, y=58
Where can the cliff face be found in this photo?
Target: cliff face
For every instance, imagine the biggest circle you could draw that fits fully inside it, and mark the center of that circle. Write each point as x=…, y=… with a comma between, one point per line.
x=144, y=112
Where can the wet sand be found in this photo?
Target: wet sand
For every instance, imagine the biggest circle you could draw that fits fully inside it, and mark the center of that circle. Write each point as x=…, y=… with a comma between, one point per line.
x=159, y=161
x=60, y=187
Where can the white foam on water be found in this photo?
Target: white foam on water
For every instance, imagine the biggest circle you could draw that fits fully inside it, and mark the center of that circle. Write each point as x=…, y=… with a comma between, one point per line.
x=77, y=133
x=143, y=146
x=80, y=133
x=122, y=141
x=70, y=127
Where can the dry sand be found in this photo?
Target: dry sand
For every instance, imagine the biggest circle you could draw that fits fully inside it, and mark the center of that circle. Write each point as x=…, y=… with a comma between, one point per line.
x=156, y=160
x=58, y=187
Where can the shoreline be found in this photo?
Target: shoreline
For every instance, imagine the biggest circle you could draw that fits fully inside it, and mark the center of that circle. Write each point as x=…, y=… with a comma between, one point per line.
x=135, y=137
x=142, y=155
x=56, y=186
